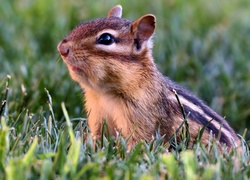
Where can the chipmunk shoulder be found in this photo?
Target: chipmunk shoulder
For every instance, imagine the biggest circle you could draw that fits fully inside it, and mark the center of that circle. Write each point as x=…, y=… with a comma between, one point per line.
x=111, y=58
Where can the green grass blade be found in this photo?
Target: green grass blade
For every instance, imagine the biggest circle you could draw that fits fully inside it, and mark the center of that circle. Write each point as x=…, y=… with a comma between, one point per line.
x=171, y=165
x=4, y=144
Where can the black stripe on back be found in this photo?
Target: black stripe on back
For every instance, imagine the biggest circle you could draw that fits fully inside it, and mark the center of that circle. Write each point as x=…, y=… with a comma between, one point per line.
x=198, y=118
x=200, y=104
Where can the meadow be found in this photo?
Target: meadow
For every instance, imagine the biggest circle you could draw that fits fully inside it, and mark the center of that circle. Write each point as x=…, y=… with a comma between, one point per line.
x=203, y=45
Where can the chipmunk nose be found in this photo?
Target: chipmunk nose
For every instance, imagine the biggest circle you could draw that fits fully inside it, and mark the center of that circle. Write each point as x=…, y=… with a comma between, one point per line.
x=63, y=48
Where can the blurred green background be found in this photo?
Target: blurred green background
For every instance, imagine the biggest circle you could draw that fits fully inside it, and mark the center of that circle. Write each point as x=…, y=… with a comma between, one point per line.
x=203, y=45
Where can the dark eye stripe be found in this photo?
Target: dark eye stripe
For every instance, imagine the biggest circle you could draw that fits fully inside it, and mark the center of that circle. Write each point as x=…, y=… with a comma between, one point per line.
x=106, y=39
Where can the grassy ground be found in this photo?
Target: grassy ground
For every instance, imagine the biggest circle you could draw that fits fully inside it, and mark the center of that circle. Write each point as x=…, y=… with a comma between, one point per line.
x=203, y=45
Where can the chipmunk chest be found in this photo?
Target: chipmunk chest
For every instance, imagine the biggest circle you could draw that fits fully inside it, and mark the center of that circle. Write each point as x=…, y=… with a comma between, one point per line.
x=116, y=114
x=111, y=109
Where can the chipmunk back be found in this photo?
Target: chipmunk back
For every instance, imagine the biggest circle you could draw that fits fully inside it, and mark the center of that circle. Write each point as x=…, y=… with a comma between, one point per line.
x=111, y=59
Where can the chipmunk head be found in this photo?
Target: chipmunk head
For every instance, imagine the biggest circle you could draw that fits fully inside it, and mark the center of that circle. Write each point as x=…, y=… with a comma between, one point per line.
x=107, y=52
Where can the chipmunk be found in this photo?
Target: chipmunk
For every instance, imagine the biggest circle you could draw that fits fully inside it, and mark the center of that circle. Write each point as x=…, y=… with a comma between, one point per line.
x=111, y=58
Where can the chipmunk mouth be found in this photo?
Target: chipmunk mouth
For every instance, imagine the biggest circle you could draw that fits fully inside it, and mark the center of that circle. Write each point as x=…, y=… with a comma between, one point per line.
x=72, y=66
x=75, y=69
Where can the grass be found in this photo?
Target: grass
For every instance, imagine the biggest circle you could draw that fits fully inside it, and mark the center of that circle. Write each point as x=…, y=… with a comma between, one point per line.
x=43, y=149
x=203, y=45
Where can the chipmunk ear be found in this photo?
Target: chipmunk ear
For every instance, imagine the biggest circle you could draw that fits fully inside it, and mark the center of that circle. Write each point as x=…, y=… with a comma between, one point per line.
x=143, y=29
x=115, y=12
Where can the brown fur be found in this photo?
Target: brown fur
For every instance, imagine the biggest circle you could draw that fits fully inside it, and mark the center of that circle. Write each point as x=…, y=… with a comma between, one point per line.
x=123, y=85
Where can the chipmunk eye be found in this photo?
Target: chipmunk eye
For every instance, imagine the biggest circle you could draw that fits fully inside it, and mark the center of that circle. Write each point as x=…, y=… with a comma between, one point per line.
x=106, y=39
